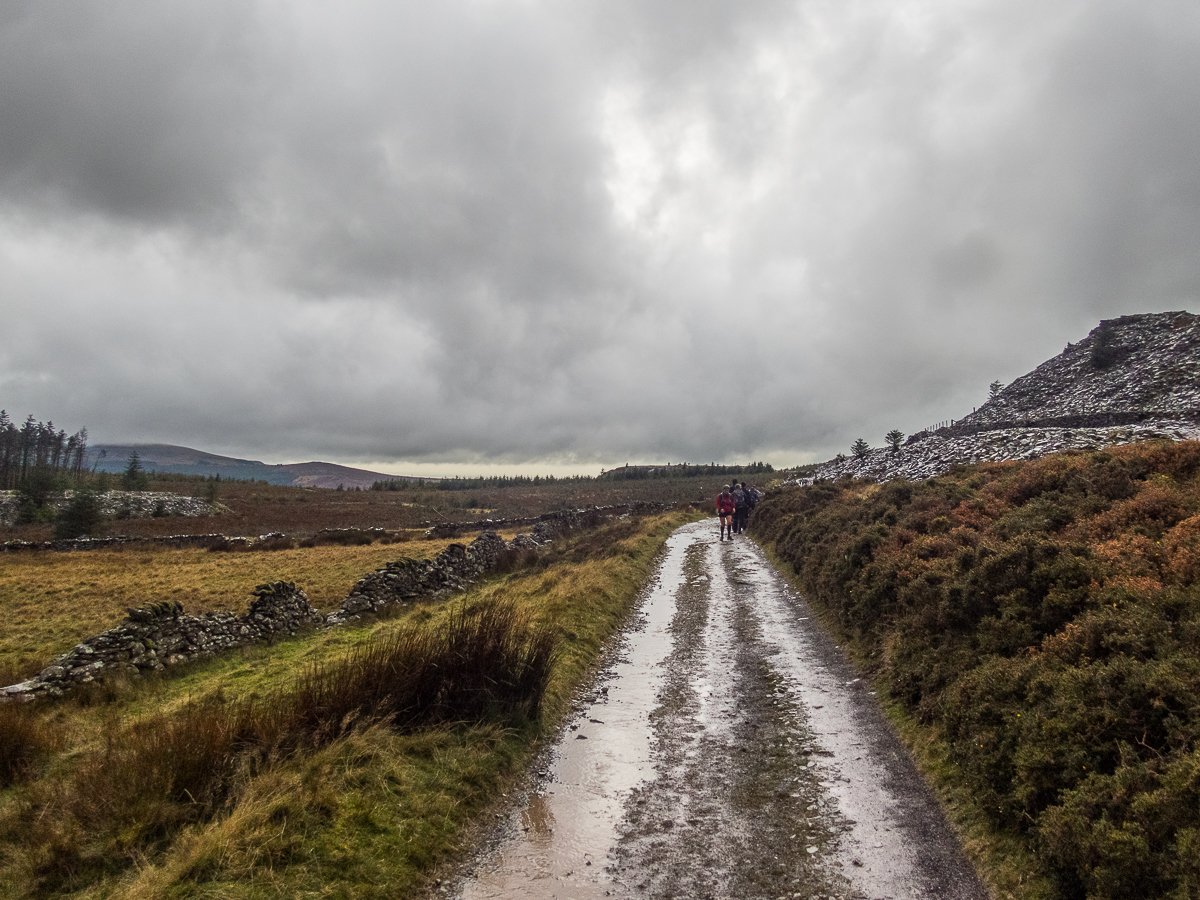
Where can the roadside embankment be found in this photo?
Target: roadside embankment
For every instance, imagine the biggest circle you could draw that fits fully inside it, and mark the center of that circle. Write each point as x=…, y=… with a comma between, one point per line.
x=1038, y=625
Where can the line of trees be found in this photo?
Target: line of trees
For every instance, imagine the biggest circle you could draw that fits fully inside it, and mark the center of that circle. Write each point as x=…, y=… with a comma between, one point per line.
x=625, y=473
x=37, y=449
x=471, y=484
x=684, y=470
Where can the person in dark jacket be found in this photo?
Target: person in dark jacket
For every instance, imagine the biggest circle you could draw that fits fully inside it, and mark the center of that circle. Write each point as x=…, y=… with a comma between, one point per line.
x=752, y=496
x=741, y=508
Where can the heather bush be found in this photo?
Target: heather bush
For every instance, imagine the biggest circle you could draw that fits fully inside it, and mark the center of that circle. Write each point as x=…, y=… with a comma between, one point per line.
x=1042, y=619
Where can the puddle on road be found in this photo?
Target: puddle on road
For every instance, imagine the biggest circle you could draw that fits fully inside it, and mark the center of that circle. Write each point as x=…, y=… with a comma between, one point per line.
x=557, y=845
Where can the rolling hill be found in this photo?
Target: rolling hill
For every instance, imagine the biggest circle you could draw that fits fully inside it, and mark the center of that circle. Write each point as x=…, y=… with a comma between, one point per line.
x=185, y=460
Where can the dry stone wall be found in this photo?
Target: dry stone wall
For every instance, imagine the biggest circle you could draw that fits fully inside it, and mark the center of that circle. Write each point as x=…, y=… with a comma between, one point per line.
x=176, y=541
x=399, y=582
x=160, y=635
x=551, y=523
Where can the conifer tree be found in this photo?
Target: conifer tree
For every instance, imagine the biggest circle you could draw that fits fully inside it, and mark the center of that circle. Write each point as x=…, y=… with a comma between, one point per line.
x=134, y=477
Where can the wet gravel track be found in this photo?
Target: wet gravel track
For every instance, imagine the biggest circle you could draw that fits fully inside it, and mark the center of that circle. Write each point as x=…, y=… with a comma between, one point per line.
x=726, y=750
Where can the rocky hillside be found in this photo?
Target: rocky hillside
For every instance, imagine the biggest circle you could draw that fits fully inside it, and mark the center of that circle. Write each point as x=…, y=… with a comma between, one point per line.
x=1132, y=378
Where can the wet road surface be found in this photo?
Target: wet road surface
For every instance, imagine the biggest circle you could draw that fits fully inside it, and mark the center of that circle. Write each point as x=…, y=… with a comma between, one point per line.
x=727, y=750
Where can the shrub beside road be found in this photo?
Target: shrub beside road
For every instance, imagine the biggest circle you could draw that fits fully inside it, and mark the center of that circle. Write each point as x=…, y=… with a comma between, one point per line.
x=1037, y=624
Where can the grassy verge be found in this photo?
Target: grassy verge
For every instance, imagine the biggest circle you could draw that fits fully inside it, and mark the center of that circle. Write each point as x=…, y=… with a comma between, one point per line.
x=362, y=804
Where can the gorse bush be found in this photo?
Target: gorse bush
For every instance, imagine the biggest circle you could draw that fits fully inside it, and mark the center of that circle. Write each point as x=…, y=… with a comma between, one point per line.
x=1043, y=619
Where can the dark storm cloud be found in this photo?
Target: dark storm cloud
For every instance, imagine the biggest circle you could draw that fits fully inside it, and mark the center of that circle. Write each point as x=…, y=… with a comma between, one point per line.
x=581, y=231
x=131, y=111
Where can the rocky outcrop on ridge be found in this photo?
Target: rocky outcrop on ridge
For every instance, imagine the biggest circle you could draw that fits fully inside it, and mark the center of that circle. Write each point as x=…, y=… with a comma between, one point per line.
x=1132, y=378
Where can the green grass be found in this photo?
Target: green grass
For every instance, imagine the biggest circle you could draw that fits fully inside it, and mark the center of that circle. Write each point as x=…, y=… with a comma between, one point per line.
x=359, y=811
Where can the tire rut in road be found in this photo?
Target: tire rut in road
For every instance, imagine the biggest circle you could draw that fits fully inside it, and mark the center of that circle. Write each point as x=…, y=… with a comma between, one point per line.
x=731, y=759
x=734, y=809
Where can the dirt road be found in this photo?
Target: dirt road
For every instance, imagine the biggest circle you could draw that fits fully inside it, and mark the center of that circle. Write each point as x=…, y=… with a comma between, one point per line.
x=727, y=751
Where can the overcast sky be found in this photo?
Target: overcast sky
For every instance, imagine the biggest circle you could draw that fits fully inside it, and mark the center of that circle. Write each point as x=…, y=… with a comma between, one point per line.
x=566, y=235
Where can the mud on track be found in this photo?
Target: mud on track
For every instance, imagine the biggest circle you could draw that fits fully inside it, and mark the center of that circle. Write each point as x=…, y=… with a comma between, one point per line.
x=726, y=751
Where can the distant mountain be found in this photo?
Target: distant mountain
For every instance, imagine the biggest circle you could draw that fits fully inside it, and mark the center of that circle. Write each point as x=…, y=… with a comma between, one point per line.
x=169, y=458
x=1132, y=378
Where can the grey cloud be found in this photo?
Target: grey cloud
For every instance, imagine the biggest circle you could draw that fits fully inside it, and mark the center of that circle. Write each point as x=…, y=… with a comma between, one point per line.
x=141, y=111
x=594, y=232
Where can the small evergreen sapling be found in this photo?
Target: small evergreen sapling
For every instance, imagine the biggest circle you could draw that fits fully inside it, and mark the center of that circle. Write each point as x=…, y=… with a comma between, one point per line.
x=893, y=438
x=860, y=449
x=81, y=517
x=134, y=478
x=212, y=488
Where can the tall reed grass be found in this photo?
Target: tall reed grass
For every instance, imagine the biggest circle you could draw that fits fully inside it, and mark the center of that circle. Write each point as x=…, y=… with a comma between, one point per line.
x=24, y=738
x=488, y=663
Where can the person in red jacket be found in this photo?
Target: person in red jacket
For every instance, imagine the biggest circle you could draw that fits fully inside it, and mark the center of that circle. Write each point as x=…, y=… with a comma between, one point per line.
x=725, y=508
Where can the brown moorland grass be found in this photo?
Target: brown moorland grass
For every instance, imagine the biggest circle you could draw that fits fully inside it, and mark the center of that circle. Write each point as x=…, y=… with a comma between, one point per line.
x=51, y=601
x=251, y=509
x=364, y=815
